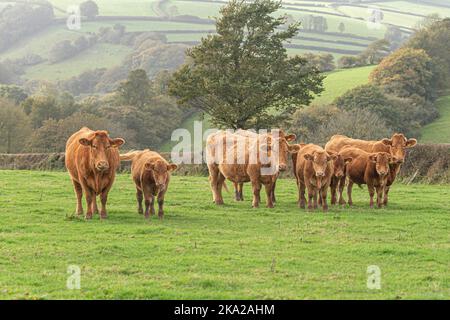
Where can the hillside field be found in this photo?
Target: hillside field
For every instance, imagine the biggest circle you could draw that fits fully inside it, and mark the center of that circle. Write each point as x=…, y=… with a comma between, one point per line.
x=201, y=251
x=439, y=130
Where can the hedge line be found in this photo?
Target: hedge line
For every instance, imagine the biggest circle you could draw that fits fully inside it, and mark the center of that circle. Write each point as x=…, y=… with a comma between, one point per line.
x=428, y=163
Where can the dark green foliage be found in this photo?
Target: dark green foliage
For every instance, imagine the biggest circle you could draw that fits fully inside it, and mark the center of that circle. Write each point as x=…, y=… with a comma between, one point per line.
x=14, y=93
x=14, y=127
x=435, y=40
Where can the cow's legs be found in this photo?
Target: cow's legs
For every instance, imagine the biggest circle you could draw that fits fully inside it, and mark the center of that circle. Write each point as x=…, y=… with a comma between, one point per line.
x=316, y=192
x=256, y=186
x=323, y=196
x=94, y=205
x=269, y=190
x=333, y=186
x=320, y=197
x=213, y=179
x=311, y=194
x=149, y=201
x=386, y=195
x=273, y=191
x=380, y=191
x=220, y=183
x=349, y=192
x=79, y=194
x=237, y=195
x=371, y=193
x=301, y=195
x=139, y=199
x=161, y=203
x=341, y=183
x=241, y=191
x=104, y=199
x=90, y=196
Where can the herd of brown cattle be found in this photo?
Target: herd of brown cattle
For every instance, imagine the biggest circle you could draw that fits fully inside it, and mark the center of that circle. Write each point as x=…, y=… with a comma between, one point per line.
x=373, y=163
x=92, y=159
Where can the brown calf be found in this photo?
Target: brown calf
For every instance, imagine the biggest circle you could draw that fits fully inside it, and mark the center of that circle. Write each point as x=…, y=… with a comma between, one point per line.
x=338, y=178
x=313, y=170
x=92, y=159
x=239, y=159
x=396, y=146
x=371, y=169
x=151, y=175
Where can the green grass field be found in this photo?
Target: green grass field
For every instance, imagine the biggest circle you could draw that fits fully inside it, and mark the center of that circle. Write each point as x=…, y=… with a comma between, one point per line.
x=439, y=130
x=340, y=81
x=201, y=251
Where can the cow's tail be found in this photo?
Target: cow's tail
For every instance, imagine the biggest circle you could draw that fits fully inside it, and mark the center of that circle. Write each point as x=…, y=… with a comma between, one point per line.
x=129, y=156
x=360, y=186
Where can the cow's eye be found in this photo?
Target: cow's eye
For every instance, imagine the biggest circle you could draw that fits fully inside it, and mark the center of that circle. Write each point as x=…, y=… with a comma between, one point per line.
x=95, y=147
x=107, y=147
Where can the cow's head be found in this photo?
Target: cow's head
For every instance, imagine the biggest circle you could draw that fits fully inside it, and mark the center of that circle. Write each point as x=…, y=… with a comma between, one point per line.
x=320, y=161
x=278, y=148
x=160, y=170
x=382, y=161
x=339, y=164
x=100, y=147
x=398, y=144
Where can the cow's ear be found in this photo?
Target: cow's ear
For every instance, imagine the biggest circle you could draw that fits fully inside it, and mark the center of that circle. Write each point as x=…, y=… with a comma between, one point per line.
x=387, y=142
x=293, y=148
x=373, y=158
x=149, y=166
x=411, y=143
x=85, y=142
x=348, y=160
x=290, y=137
x=172, y=167
x=309, y=157
x=117, y=142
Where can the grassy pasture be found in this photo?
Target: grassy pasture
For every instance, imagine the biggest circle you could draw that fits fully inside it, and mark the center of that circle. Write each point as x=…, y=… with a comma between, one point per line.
x=203, y=251
x=338, y=82
x=439, y=130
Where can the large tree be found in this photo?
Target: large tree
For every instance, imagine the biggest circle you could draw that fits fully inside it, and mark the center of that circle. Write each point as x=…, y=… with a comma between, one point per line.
x=435, y=40
x=242, y=76
x=406, y=72
x=136, y=90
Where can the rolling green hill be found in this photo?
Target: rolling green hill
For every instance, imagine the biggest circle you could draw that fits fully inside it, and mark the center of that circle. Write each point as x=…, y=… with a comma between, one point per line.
x=439, y=130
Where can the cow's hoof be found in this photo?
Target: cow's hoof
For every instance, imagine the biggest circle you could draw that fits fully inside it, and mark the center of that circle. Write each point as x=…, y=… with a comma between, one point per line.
x=88, y=217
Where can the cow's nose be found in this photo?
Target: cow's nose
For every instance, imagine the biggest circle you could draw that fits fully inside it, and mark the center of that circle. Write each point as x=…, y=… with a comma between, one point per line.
x=102, y=165
x=320, y=174
x=282, y=167
x=382, y=173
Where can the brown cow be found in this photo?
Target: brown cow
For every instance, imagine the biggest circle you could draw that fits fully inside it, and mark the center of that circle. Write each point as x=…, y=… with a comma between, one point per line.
x=238, y=187
x=338, y=178
x=240, y=159
x=92, y=158
x=396, y=146
x=371, y=169
x=313, y=170
x=151, y=174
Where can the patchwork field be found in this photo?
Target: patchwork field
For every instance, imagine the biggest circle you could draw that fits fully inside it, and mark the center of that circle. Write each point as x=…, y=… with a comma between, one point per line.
x=201, y=251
